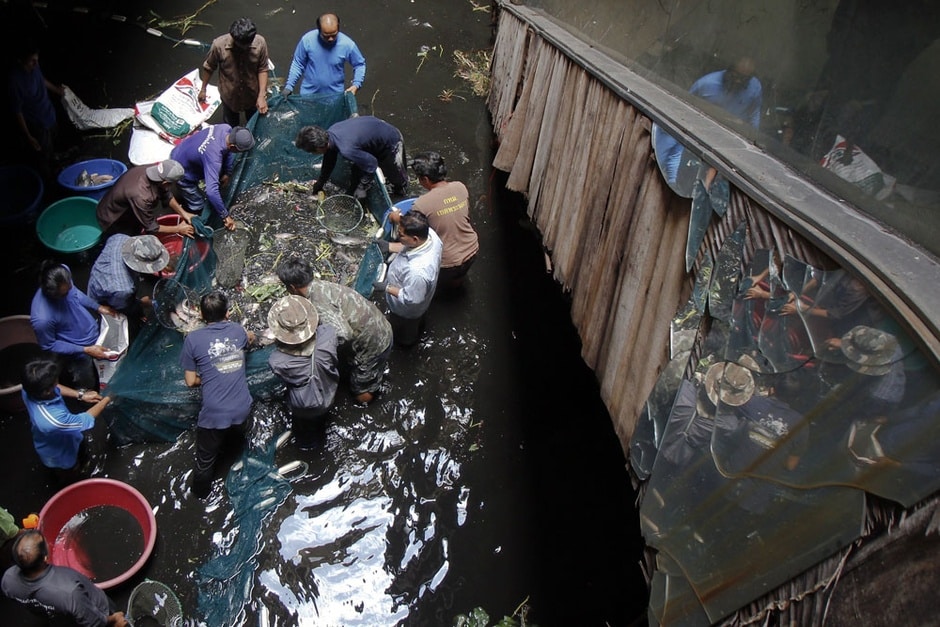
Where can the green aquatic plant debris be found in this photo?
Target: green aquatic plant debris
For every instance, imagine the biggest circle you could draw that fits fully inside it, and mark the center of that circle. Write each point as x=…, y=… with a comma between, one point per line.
x=266, y=291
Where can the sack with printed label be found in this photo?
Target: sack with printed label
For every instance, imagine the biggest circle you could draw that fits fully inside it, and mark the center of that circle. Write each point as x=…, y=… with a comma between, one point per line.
x=177, y=112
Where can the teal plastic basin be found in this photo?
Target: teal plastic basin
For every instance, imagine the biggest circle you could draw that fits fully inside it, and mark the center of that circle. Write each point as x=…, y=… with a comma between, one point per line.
x=69, y=225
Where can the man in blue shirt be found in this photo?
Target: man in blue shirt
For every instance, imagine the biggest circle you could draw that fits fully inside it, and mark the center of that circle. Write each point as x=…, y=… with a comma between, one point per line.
x=57, y=432
x=61, y=315
x=320, y=59
x=213, y=357
x=736, y=90
x=368, y=143
x=412, y=278
x=209, y=155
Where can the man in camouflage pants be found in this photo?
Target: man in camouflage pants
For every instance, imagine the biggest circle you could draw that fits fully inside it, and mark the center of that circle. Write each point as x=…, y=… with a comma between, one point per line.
x=365, y=336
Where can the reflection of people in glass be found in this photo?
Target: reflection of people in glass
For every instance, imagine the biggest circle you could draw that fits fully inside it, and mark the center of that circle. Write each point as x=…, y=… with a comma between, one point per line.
x=763, y=437
x=877, y=356
x=842, y=303
x=736, y=90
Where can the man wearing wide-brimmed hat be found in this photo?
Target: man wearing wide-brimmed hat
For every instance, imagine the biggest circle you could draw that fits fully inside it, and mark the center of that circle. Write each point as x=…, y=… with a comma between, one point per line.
x=364, y=335
x=115, y=276
x=877, y=355
x=305, y=359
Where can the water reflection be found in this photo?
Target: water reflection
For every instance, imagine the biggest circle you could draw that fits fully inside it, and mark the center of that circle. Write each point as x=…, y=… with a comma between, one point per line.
x=365, y=534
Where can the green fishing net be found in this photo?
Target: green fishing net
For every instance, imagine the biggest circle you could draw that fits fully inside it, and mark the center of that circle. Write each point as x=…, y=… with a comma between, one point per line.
x=277, y=216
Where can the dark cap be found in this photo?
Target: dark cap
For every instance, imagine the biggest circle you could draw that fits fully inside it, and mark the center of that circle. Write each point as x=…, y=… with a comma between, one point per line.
x=166, y=171
x=241, y=138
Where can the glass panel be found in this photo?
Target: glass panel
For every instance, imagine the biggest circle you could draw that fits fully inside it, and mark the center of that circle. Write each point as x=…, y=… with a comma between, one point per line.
x=684, y=330
x=726, y=275
x=843, y=91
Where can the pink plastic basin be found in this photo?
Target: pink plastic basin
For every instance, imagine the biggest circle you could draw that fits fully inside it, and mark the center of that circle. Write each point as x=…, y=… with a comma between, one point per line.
x=80, y=496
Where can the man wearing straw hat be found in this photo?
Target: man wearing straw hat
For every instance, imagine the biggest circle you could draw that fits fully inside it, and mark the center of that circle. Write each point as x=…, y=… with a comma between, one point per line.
x=364, y=334
x=305, y=359
x=115, y=276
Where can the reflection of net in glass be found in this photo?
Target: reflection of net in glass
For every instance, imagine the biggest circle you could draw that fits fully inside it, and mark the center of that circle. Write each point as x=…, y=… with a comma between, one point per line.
x=153, y=603
x=230, y=247
x=340, y=213
x=176, y=306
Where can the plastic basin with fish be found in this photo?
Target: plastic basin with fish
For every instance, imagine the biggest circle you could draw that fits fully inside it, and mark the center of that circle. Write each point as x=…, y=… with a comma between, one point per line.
x=70, y=177
x=174, y=245
x=69, y=225
x=23, y=190
x=404, y=206
x=81, y=496
x=17, y=345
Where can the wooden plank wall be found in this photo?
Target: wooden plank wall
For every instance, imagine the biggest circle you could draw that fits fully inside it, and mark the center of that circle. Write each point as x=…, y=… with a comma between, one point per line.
x=615, y=231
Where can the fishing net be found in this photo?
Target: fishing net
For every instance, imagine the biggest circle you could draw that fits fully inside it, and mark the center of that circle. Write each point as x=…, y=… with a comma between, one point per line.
x=339, y=213
x=153, y=604
x=276, y=216
x=230, y=248
x=176, y=306
x=256, y=489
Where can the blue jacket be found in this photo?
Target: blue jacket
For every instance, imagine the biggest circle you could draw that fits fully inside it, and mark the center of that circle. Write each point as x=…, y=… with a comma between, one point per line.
x=322, y=69
x=57, y=432
x=205, y=157
x=65, y=326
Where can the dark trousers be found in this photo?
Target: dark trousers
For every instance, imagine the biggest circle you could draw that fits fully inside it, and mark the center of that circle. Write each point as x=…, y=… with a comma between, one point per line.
x=406, y=331
x=78, y=372
x=209, y=445
x=233, y=118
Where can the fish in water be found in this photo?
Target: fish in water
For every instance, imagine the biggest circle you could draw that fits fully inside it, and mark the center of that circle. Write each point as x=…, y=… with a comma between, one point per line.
x=347, y=240
x=90, y=180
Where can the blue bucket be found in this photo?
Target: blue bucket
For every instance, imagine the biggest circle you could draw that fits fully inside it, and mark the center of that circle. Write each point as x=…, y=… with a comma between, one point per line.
x=404, y=206
x=23, y=189
x=70, y=177
x=69, y=225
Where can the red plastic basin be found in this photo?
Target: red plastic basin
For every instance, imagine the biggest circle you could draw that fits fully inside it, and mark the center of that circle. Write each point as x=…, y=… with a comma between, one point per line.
x=174, y=245
x=80, y=496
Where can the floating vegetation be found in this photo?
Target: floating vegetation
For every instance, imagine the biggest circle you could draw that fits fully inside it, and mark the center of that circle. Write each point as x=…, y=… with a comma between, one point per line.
x=485, y=8
x=282, y=219
x=474, y=68
x=447, y=95
x=479, y=618
x=425, y=51
x=181, y=22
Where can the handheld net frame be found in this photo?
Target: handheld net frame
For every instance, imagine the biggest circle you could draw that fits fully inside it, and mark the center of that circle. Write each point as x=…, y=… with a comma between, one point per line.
x=176, y=306
x=154, y=603
x=339, y=213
